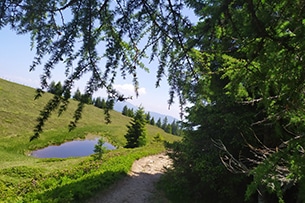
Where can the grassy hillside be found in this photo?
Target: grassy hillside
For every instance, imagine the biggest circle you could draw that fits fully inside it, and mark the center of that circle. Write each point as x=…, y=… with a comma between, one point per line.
x=27, y=179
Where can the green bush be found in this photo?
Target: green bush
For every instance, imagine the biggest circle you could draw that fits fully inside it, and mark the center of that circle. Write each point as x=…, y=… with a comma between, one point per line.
x=158, y=138
x=99, y=149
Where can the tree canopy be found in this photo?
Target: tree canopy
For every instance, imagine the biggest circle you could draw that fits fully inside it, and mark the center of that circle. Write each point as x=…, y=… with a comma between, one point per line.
x=241, y=64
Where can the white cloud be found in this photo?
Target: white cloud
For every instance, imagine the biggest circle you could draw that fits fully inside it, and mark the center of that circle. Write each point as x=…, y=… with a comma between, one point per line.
x=128, y=89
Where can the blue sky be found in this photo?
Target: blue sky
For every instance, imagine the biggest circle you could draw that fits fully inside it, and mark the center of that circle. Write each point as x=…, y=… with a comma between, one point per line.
x=16, y=58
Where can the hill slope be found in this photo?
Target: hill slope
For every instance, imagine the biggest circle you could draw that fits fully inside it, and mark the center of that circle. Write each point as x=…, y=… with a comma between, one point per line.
x=19, y=110
x=26, y=179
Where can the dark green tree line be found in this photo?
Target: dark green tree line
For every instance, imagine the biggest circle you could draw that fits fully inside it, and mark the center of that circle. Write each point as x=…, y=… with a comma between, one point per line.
x=172, y=128
x=128, y=111
x=55, y=88
x=100, y=103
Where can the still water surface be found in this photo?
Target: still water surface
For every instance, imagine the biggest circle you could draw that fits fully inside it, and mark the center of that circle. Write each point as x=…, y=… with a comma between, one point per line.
x=70, y=149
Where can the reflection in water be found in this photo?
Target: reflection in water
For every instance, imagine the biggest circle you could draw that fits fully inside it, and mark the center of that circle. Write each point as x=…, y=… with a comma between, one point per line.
x=70, y=149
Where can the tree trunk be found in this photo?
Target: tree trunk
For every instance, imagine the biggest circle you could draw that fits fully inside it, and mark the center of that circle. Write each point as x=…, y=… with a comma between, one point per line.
x=260, y=195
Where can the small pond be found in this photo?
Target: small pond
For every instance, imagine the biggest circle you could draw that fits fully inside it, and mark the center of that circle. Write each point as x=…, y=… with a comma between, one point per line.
x=74, y=148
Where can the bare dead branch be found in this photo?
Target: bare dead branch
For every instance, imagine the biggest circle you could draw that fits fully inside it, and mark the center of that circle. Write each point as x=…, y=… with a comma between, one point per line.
x=232, y=164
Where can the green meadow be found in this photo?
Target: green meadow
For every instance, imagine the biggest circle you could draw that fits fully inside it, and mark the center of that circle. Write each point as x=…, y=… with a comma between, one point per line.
x=27, y=179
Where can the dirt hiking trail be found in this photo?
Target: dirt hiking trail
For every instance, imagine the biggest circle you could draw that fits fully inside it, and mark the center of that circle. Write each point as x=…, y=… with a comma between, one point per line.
x=139, y=185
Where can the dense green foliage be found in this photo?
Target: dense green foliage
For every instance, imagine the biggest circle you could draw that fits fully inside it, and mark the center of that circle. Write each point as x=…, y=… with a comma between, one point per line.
x=24, y=178
x=247, y=91
x=136, y=132
x=239, y=67
x=198, y=174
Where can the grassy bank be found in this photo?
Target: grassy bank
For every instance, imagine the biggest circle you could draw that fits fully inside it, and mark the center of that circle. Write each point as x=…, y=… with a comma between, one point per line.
x=27, y=179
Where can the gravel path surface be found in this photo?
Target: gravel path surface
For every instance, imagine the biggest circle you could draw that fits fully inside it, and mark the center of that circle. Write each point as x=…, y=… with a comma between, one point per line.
x=139, y=185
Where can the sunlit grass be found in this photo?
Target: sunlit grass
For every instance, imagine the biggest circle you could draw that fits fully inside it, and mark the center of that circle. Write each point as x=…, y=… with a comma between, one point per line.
x=25, y=178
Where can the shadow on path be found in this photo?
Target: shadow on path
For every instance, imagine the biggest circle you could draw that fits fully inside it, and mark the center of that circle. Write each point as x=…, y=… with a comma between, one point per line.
x=138, y=187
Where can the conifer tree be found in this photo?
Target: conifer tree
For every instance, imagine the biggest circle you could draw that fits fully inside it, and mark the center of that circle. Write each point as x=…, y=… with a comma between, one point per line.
x=77, y=95
x=130, y=113
x=148, y=117
x=168, y=128
x=159, y=124
x=55, y=88
x=103, y=104
x=164, y=123
x=125, y=110
x=51, y=88
x=175, y=128
x=152, y=121
x=110, y=104
x=136, y=133
x=98, y=102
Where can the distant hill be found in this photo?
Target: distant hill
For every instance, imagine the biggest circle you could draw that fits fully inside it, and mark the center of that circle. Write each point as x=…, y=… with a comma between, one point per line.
x=19, y=111
x=118, y=106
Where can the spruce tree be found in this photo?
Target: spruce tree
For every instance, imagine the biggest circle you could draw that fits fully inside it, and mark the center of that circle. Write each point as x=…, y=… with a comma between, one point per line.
x=158, y=124
x=152, y=121
x=130, y=113
x=175, y=128
x=77, y=95
x=125, y=110
x=164, y=123
x=55, y=88
x=98, y=102
x=110, y=104
x=51, y=87
x=148, y=117
x=103, y=104
x=136, y=133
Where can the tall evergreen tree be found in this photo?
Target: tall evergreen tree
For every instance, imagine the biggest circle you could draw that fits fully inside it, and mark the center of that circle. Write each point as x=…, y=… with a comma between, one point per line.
x=125, y=110
x=159, y=124
x=168, y=128
x=55, y=88
x=136, y=133
x=174, y=127
x=241, y=89
x=110, y=104
x=77, y=95
x=51, y=88
x=152, y=121
x=98, y=103
x=86, y=98
x=148, y=117
x=103, y=104
x=58, y=89
x=164, y=123
x=130, y=113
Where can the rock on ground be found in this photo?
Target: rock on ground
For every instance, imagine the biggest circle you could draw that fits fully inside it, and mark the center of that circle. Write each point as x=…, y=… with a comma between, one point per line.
x=139, y=185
